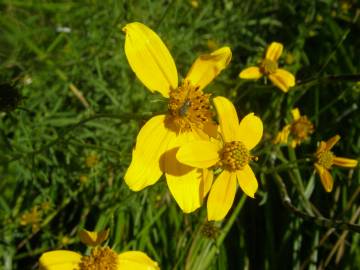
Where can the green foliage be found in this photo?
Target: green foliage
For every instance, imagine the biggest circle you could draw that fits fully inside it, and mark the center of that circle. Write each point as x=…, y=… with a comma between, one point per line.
x=65, y=148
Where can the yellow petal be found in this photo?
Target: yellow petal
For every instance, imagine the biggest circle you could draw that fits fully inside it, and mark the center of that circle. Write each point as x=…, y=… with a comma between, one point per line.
x=283, y=135
x=185, y=189
x=331, y=142
x=211, y=129
x=274, y=51
x=295, y=142
x=93, y=238
x=136, y=260
x=150, y=59
x=228, y=119
x=221, y=195
x=250, y=131
x=168, y=162
x=247, y=181
x=345, y=162
x=321, y=147
x=295, y=113
x=183, y=180
x=282, y=79
x=152, y=141
x=252, y=73
x=206, y=67
x=60, y=260
x=199, y=154
x=206, y=182
x=325, y=177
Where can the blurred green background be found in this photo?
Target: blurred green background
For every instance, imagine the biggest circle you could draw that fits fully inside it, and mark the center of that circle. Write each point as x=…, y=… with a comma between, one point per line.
x=66, y=142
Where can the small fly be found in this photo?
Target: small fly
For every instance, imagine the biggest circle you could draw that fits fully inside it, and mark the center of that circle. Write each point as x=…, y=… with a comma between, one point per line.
x=185, y=107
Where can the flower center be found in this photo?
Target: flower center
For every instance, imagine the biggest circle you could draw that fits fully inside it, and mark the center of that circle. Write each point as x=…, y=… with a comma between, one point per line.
x=209, y=230
x=268, y=66
x=234, y=156
x=302, y=128
x=100, y=258
x=325, y=159
x=188, y=108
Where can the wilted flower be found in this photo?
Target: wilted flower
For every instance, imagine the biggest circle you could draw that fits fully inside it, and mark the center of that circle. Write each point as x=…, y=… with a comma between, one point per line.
x=299, y=130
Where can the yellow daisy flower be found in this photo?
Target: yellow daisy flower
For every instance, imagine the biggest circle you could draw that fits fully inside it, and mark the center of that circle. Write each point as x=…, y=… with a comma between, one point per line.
x=326, y=158
x=269, y=67
x=231, y=153
x=189, y=116
x=99, y=258
x=299, y=129
x=32, y=217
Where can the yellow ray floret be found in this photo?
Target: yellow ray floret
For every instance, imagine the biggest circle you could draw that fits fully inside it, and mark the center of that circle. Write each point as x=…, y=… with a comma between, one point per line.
x=91, y=238
x=150, y=59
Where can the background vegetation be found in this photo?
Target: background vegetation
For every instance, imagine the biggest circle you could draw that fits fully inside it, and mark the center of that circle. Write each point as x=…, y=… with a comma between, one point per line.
x=66, y=144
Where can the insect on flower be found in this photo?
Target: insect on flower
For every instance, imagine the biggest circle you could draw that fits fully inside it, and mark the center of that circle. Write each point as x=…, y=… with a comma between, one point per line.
x=185, y=107
x=189, y=116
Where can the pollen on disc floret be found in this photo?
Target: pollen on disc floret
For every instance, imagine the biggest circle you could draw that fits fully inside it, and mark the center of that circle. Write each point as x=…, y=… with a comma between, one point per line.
x=188, y=108
x=234, y=156
x=325, y=159
x=302, y=128
x=268, y=66
x=100, y=258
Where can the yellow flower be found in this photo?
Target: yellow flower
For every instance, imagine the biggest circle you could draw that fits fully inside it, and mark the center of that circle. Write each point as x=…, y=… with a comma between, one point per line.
x=326, y=158
x=92, y=160
x=189, y=116
x=99, y=258
x=32, y=217
x=299, y=129
x=290, y=58
x=269, y=67
x=231, y=153
x=83, y=179
x=65, y=240
x=46, y=206
x=194, y=3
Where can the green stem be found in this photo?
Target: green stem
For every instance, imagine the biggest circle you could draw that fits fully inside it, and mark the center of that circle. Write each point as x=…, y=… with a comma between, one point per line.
x=206, y=261
x=318, y=220
x=297, y=180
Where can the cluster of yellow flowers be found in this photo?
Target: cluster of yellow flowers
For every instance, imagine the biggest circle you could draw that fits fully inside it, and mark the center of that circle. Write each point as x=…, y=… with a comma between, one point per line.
x=198, y=156
x=187, y=145
x=300, y=130
x=35, y=215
